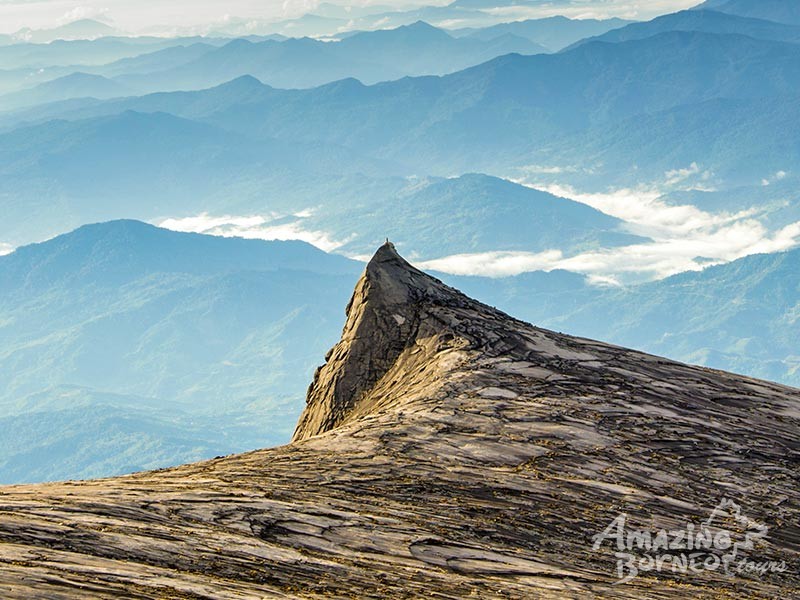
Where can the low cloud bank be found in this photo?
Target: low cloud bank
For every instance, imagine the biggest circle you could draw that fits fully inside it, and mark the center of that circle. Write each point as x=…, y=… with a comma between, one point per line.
x=685, y=238
x=260, y=227
x=640, y=262
x=592, y=9
x=646, y=214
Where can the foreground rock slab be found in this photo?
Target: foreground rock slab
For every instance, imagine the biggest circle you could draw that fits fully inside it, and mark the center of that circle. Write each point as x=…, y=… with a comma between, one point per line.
x=447, y=451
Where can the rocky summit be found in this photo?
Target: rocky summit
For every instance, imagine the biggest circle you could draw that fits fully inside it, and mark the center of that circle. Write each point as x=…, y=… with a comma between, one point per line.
x=449, y=451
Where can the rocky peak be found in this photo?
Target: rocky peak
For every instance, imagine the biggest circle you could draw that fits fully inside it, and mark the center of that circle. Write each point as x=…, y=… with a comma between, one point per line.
x=392, y=326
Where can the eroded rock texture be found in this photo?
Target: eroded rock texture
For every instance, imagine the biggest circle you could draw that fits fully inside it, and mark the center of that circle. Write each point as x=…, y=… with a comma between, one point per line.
x=447, y=451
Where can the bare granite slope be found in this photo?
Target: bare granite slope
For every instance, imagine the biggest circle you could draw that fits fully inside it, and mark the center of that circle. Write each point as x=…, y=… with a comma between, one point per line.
x=447, y=451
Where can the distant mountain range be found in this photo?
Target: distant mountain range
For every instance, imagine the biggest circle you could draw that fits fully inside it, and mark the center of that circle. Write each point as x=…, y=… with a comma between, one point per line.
x=82, y=29
x=476, y=14
x=598, y=114
x=494, y=115
x=707, y=21
x=83, y=53
x=554, y=33
x=737, y=142
x=124, y=346
x=417, y=49
x=69, y=432
x=182, y=53
x=781, y=11
x=60, y=174
x=24, y=66
x=76, y=85
x=472, y=213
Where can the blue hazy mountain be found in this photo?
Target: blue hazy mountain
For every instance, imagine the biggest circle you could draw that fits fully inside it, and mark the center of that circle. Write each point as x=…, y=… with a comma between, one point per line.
x=740, y=317
x=179, y=346
x=472, y=213
x=707, y=21
x=81, y=52
x=14, y=80
x=65, y=173
x=192, y=105
x=439, y=16
x=160, y=60
x=491, y=115
x=70, y=432
x=488, y=115
x=61, y=174
x=739, y=141
x=76, y=85
x=82, y=29
x=554, y=33
x=308, y=25
x=597, y=104
x=781, y=11
x=26, y=65
x=132, y=249
x=416, y=49
x=436, y=51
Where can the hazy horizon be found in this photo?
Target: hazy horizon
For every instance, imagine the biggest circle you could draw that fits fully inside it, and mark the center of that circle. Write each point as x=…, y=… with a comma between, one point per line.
x=141, y=17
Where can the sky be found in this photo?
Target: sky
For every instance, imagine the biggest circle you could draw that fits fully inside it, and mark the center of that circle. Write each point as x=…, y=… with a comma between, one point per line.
x=141, y=15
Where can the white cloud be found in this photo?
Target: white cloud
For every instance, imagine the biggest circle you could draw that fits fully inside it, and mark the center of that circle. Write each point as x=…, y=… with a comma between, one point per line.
x=495, y=264
x=603, y=281
x=5, y=249
x=593, y=9
x=685, y=238
x=779, y=176
x=381, y=23
x=645, y=211
x=547, y=170
x=676, y=176
x=299, y=6
x=204, y=222
x=78, y=13
x=261, y=227
x=639, y=262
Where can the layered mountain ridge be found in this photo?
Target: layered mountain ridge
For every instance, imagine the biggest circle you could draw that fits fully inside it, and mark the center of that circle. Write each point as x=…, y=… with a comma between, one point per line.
x=446, y=449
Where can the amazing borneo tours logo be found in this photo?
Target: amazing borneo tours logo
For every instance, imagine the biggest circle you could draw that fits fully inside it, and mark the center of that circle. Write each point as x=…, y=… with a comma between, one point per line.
x=692, y=549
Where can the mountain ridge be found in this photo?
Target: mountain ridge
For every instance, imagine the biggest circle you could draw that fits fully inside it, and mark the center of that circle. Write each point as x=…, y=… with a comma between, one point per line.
x=708, y=21
x=780, y=11
x=460, y=122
